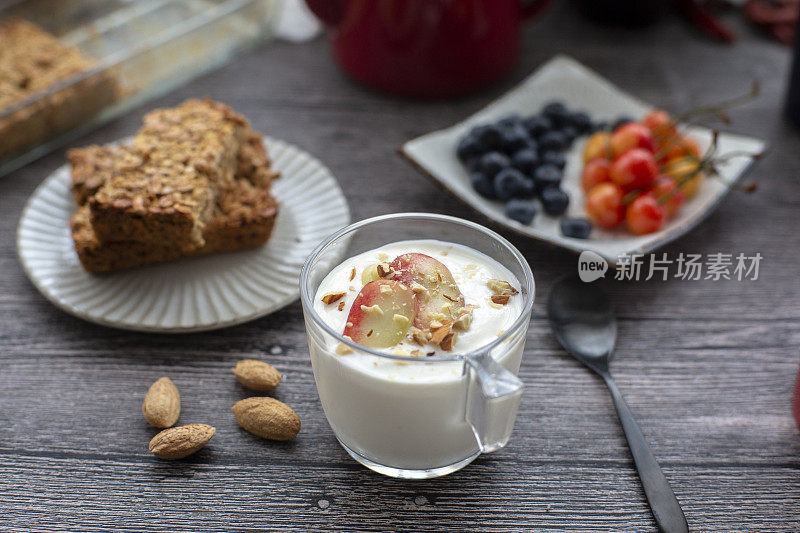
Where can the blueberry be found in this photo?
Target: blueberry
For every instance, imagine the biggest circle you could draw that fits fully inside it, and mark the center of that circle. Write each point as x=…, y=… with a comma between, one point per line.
x=492, y=163
x=509, y=183
x=529, y=190
x=570, y=134
x=554, y=201
x=537, y=125
x=473, y=164
x=490, y=136
x=525, y=161
x=522, y=211
x=514, y=138
x=468, y=148
x=510, y=120
x=578, y=228
x=556, y=159
x=483, y=185
x=557, y=113
x=552, y=140
x=581, y=121
x=546, y=176
x=620, y=121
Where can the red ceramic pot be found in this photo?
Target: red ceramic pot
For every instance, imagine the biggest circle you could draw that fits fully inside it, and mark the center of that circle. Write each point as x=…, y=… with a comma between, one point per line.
x=425, y=48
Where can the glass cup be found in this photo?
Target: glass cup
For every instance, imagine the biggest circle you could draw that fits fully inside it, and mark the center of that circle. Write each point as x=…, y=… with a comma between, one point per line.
x=417, y=428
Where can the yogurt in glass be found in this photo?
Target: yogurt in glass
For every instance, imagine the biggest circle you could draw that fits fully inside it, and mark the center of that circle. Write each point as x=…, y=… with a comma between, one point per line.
x=402, y=397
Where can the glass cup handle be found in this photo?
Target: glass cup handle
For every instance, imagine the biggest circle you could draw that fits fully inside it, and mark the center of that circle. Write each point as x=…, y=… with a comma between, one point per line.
x=493, y=395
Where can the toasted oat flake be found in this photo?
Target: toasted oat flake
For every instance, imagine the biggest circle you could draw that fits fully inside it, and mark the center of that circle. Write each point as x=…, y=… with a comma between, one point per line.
x=353, y=274
x=500, y=299
x=341, y=305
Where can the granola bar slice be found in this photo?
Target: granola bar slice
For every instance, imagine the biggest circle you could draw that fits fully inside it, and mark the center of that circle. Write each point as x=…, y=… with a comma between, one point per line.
x=189, y=154
x=94, y=165
x=33, y=62
x=244, y=217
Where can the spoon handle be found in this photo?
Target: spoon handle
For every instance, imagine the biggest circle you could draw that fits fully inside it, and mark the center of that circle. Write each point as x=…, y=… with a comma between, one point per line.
x=666, y=509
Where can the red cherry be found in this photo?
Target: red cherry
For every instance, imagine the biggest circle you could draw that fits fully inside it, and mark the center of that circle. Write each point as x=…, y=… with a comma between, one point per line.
x=668, y=194
x=635, y=169
x=595, y=172
x=659, y=122
x=629, y=136
x=645, y=215
x=604, y=205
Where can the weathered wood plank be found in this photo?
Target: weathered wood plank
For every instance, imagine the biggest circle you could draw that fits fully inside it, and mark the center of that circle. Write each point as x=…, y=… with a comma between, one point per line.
x=269, y=494
x=708, y=367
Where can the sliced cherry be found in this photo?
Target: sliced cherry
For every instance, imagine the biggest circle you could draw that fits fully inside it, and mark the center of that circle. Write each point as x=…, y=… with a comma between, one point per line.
x=438, y=296
x=381, y=314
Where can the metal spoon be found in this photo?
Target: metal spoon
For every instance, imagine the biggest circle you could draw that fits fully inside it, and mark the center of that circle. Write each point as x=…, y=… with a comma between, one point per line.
x=584, y=322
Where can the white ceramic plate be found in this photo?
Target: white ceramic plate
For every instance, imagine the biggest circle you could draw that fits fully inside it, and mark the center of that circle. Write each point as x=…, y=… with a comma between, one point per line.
x=191, y=294
x=565, y=79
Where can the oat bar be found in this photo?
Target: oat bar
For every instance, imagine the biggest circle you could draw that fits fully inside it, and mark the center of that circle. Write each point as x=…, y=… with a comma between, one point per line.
x=189, y=154
x=244, y=217
x=32, y=64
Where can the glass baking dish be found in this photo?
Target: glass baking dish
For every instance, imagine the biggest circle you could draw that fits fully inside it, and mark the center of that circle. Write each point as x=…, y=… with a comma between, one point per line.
x=142, y=48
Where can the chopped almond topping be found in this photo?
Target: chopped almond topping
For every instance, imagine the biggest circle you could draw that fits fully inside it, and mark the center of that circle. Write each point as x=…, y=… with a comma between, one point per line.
x=501, y=287
x=441, y=333
x=401, y=320
x=331, y=297
x=386, y=289
x=500, y=299
x=383, y=257
x=384, y=271
x=448, y=341
x=435, y=324
x=343, y=349
x=464, y=321
x=372, y=309
x=420, y=337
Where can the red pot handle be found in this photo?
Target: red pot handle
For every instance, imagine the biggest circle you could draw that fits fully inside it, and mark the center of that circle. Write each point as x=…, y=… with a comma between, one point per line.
x=533, y=9
x=328, y=11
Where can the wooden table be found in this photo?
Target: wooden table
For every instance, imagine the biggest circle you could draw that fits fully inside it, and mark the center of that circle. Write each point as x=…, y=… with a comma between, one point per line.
x=707, y=367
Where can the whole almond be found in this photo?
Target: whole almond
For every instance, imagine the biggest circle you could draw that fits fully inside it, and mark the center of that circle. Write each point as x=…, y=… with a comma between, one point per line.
x=162, y=404
x=182, y=441
x=267, y=418
x=257, y=375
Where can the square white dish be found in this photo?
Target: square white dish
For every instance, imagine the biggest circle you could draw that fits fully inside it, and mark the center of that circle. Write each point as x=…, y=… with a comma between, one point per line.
x=564, y=79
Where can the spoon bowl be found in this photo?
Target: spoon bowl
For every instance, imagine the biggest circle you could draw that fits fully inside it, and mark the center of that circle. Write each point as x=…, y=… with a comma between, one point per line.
x=583, y=320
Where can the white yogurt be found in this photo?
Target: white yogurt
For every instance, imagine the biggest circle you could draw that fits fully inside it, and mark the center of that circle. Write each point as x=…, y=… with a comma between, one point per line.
x=409, y=414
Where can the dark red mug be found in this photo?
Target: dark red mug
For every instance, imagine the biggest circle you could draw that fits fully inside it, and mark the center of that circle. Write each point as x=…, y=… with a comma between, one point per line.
x=426, y=48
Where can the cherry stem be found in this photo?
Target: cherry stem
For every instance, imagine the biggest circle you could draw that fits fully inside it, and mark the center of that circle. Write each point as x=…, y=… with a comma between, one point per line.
x=719, y=108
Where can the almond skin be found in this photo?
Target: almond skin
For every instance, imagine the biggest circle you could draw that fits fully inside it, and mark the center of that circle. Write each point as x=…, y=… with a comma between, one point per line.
x=180, y=442
x=257, y=375
x=267, y=418
x=162, y=404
